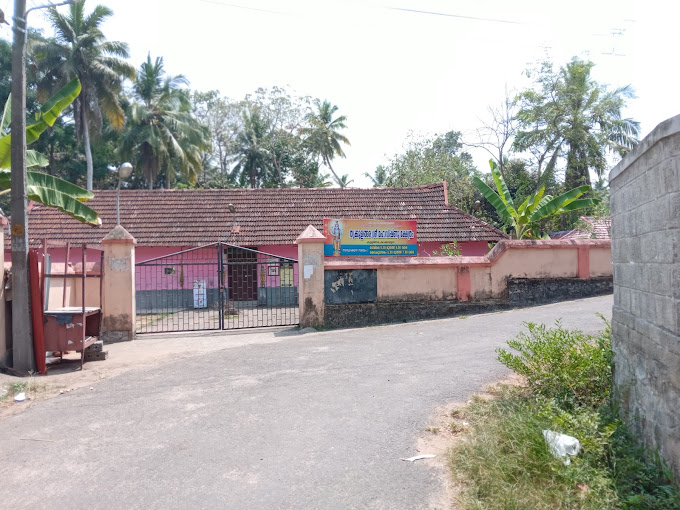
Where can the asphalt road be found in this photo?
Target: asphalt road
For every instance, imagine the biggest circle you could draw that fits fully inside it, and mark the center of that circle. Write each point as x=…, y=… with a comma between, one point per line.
x=317, y=420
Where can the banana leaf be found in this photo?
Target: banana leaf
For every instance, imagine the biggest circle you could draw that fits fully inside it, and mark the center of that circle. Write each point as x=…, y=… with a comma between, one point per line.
x=580, y=204
x=6, y=114
x=502, y=188
x=35, y=159
x=557, y=203
x=536, y=199
x=64, y=202
x=46, y=117
x=524, y=205
x=54, y=192
x=494, y=199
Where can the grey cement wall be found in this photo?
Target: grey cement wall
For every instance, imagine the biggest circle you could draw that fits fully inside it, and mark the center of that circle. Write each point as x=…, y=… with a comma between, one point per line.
x=538, y=291
x=645, y=207
x=156, y=301
x=521, y=292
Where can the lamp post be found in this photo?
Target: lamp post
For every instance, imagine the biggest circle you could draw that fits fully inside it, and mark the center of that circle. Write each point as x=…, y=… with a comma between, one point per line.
x=22, y=337
x=124, y=171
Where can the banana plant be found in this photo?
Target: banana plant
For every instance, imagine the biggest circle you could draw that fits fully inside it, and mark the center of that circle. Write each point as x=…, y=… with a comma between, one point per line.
x=524, y=219
x=40, y=187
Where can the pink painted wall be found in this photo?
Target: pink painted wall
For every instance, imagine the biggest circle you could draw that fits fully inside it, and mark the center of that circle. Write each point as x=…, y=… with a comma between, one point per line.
x=58, y=255
x=282, y=250
x=194, y=265
x=477, y=278
x=154, y=277
x=201, y=264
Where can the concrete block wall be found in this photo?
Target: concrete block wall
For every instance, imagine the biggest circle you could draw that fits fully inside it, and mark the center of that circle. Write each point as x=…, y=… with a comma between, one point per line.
x=645, y=208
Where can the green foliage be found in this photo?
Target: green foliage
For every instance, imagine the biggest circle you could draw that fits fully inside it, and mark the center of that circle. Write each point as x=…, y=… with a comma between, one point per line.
x=42, y=188
x=44, y=118
x=271, y=138
x=568, y=366
x=569, y=116
x=505, y=463
x=254, y=161
x=524, y=219
x=163, y=138
x=431, y=160
x=323, y=137
x=80, y=50
x=345, y=181
x=448, y=250
x=379, y=178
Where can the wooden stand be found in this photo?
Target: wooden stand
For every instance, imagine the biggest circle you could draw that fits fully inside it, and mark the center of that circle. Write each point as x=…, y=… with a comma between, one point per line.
x=73, y=328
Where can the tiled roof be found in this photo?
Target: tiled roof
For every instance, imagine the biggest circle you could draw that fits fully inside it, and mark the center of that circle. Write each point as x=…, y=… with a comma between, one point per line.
x=591, y=228
x=263, y=216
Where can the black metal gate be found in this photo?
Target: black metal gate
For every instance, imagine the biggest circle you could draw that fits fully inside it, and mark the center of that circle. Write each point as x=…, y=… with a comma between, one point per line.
x=215, y=286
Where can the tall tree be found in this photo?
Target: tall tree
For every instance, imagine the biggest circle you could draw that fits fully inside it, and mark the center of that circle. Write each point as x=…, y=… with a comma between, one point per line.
x=254, y=165
x=80, y=50
x=283, y=114
x=223, y=119
x=430, y=160
x=323, y=135
x=497, y=132
x=163, y=137
x=379, y=178
x=572, y=117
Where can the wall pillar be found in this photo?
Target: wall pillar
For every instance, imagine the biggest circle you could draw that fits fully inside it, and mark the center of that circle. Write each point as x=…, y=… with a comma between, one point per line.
x=311, y=277
x=583, y=262
x=464, y=283
x=118, y=286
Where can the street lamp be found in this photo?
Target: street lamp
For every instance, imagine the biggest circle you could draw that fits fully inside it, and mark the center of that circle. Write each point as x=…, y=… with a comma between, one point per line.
x=124, y=171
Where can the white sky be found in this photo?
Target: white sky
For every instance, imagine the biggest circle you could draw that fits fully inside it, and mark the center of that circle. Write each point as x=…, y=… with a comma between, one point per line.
x=391, y=71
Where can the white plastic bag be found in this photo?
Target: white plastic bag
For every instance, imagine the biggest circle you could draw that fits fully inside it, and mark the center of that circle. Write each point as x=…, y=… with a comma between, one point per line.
x=562, y=445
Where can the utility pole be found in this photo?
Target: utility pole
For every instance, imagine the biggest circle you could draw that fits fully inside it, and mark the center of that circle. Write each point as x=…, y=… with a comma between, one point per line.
x=22, y=333
x=22, y=337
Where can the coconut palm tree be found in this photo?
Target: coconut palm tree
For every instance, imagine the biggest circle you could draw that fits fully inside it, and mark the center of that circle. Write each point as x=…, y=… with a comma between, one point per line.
x=572, y=116
x=254, y=162
x=80, y=50
x=345, y=181
x=379, y=178
x=163, y=136
x=322, y=134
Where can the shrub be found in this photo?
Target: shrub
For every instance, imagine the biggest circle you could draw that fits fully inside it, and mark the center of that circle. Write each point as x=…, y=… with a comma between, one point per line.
x=568, y=366
x=505, y=463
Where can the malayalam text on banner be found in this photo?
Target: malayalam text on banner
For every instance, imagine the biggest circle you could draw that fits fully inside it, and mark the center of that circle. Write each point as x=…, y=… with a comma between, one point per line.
x=377, y=238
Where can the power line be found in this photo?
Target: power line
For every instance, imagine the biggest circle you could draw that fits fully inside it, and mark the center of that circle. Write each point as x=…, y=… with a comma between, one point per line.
x=448, y=15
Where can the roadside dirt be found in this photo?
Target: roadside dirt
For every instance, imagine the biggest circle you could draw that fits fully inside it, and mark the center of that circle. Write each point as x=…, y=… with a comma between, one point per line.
x=145, y=352
x=446, y=426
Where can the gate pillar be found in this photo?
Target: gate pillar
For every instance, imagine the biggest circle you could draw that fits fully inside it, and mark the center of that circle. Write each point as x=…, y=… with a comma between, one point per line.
x=310, y=281
x=118, y=286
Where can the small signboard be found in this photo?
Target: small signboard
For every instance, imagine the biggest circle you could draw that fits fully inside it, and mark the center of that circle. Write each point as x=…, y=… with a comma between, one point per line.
x=373, y=238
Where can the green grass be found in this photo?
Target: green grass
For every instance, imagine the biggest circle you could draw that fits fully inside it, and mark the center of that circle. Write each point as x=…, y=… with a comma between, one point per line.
x=503, y=461
x=12, y=390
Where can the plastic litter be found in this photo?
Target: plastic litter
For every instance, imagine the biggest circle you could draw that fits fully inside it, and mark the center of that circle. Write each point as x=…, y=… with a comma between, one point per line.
x=562, y=445
x=20, y=397
x=419, y=457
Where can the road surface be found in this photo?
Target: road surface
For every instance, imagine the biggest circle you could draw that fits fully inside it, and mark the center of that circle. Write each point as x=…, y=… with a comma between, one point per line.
x=316, y=420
